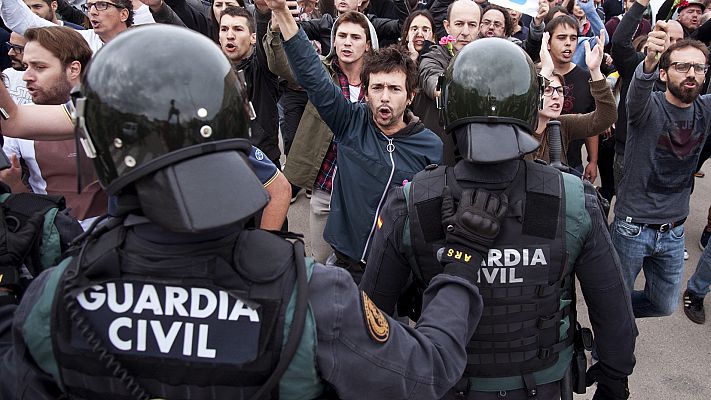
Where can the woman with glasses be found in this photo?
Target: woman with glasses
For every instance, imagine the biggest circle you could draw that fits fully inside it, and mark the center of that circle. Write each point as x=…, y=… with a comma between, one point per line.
x=572, y=126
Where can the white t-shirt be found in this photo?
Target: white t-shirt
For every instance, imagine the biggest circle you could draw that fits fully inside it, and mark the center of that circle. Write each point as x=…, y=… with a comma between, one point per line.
x=19, y=18
x=142, y=15
x=354, y=93
x=16, y=86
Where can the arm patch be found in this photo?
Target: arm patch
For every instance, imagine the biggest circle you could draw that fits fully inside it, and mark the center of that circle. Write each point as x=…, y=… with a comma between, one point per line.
x=376, y=323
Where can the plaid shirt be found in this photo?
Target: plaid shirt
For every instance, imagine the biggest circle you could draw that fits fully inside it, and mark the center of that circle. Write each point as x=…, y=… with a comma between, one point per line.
x=324, y=179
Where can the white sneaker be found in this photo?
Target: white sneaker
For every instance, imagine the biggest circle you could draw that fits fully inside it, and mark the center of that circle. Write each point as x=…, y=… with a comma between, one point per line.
x=686, y=254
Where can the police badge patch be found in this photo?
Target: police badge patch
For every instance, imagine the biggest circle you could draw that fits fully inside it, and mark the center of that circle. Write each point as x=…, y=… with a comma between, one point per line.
x=378, y=326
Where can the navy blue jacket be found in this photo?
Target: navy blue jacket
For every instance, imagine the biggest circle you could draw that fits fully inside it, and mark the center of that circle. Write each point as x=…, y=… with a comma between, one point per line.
x=366, y=169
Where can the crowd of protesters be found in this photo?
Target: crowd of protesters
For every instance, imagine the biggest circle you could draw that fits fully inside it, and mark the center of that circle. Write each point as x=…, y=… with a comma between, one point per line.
x=362, y=117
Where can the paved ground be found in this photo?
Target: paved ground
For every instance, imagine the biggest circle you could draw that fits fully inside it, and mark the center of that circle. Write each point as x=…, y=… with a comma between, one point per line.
x=673, y=354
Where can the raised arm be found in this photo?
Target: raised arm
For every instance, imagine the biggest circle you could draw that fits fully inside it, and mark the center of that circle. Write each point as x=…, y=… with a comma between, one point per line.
x=596, y=24
x=532, y=45
x=70, y=13
x=333, y=108
x=37, y=122
x=423, y=362
x=639, y=94
x=622, y=52
x=582, y=126
x=276, y=57
x=162, y=13
x=18, y=17
x=193, y=15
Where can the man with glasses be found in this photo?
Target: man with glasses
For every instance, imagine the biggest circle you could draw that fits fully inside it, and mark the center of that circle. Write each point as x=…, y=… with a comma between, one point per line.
x=107, y=18
x=665, y=134
x=12, y=77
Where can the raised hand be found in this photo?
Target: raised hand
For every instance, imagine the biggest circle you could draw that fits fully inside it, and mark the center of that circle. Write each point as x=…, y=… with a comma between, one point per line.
x=547, y=66
x=657, y=42
x=594, y=56
x=543, y=8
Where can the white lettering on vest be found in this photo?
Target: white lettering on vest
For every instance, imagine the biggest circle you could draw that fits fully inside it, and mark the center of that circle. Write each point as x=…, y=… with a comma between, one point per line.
x=141, y=333
x=117, y=324
x=112, y=298
x=188, y=342
x=148, y=300
x=241, y=310
x=165, y=341
x=203, y=351
x=210, y=300
x=511, y=258
x=96, y=300
x=514, y=258
x=539, y=258
x=175, y=298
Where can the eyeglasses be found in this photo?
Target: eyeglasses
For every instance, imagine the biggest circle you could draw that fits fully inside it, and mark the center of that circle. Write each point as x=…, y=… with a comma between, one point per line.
x=548, y=91
x=16, y=47
x=99, y=5
x=497, y=24
x=684, y=67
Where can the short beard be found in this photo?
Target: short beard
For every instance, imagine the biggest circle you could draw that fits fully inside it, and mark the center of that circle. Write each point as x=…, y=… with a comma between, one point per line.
x=57, y=94
x=686, y=96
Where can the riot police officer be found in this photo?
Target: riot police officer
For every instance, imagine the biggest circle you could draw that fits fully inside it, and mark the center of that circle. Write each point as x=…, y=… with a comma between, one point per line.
x=553, y=230
x=171, y=297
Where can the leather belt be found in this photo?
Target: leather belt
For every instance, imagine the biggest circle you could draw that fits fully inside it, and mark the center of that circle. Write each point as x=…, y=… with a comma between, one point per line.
x=662, y=227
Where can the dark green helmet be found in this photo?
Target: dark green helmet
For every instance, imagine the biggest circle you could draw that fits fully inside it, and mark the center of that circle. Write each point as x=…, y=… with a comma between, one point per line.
x=491, y=98
x=161, y=111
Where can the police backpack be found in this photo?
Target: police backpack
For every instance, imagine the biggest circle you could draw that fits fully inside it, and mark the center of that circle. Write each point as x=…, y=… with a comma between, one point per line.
x=58, y=230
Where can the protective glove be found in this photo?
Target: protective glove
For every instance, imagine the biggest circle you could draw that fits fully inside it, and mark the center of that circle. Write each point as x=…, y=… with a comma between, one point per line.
x=470, y=230
x=607, y=388
x=15, y=246
x=476, y=222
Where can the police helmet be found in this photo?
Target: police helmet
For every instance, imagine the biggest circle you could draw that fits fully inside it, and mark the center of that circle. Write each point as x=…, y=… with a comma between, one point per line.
x=171, y=124
x=490, y=99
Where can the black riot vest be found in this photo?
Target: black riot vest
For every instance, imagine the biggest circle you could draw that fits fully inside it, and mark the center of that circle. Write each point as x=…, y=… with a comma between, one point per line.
x=199, y=327
x=523, y=281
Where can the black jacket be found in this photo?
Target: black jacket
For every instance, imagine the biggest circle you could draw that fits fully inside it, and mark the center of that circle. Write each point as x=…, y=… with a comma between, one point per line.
x=388, y=30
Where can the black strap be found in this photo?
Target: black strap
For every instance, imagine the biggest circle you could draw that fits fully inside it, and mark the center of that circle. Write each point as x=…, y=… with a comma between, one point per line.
x=297, y=325
x=543, y=201
x=427, y=190
x=530, y=384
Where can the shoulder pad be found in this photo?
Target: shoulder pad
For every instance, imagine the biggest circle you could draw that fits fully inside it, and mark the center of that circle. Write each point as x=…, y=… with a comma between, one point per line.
x=262, y=256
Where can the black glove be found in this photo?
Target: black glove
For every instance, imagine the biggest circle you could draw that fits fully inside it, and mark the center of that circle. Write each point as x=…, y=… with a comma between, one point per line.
x=470, y=231
x=477, y=220
x=15, y=246
x=607, y=388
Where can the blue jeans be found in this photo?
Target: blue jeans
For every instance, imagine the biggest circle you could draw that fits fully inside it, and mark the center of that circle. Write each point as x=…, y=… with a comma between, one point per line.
x=699, y=282
x=660, y=255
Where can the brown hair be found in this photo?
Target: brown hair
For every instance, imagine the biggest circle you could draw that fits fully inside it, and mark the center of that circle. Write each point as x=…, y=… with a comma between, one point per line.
x=562, y=20
x=665, y=59
x=128, y=5
x=64, y=43
x=234, y=11
x=408, y=22
x=390, y=59
x=354, y=17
